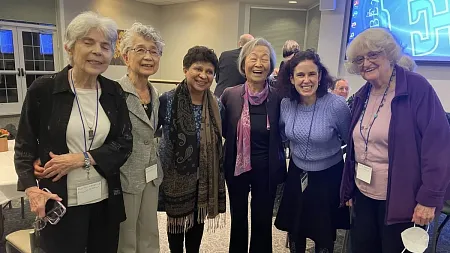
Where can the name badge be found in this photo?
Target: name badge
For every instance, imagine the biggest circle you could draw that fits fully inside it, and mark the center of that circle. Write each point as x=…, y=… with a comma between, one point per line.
x=89, y=193
x=304, y=181
x=151, y=173
x=364, y=173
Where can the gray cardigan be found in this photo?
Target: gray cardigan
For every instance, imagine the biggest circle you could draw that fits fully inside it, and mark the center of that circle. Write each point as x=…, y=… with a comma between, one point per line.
x=132, y=173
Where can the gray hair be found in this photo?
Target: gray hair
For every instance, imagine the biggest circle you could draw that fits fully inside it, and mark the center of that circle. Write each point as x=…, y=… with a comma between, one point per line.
x=376, y=40
x=248, y=48
x=407, y=62
x=290, y=47
x=147, y=32
x=84, y=22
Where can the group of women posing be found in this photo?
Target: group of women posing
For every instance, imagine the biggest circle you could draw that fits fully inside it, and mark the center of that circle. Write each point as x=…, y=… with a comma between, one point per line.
x=91, y=142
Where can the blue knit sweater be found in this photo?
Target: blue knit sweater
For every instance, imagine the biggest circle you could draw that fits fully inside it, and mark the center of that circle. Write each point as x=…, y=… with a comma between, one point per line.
x=330, y=124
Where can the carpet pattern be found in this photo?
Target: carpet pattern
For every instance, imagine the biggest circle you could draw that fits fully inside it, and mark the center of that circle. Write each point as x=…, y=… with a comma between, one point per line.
x=216, y=242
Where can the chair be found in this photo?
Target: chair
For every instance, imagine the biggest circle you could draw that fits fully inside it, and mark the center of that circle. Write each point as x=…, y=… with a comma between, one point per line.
x=22, y=241
x=437, y=230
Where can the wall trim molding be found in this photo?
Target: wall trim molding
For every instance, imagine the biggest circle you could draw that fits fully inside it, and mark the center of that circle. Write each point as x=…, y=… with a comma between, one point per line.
x=264, y=7
x=27, y=25
x=62, y=31
x=303, y=47
x=313, y=6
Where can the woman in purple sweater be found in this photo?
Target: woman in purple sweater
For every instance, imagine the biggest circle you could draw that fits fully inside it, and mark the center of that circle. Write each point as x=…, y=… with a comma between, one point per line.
x=397, y=167
x=312, y=120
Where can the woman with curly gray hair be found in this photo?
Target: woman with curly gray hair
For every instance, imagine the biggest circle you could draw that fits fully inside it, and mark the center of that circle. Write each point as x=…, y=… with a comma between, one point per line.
x=141, y=48
x=397, y=167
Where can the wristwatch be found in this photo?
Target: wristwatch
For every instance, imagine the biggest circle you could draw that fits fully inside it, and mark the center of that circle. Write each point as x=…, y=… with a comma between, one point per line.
x=87, y=161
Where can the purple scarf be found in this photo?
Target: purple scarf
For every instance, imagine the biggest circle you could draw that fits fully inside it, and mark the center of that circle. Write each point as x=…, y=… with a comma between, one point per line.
x=244, y=127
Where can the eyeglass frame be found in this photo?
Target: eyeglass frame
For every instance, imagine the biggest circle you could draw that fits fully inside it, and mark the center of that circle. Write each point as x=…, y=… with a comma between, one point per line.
x=47, y=219
x=143, y=51
x=370, y=56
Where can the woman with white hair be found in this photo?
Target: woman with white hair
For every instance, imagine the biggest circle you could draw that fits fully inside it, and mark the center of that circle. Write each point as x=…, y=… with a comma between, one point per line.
x=397, y=166
x=76, y=123
x=254, y=158
x=141, y=48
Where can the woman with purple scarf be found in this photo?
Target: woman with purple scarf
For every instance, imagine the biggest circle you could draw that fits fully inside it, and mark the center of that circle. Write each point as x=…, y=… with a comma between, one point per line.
x=254, y=158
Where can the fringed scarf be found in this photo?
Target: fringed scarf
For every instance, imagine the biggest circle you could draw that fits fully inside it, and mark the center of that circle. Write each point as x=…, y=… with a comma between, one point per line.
x=243, y=156
x=194, y=178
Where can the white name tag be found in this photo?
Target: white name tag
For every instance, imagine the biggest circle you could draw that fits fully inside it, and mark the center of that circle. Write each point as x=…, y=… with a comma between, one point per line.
x=304, y=181
x=151, y=173
x=89, y=193
x=364, y=173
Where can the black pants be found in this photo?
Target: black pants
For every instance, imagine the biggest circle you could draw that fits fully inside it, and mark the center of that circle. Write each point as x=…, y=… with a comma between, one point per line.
x=83, y=229
x=263, y=197
x=369, y=233
x=193, y=239
x=298, y=245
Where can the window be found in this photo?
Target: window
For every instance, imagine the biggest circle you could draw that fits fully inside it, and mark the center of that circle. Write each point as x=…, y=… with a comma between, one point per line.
x=26, y=53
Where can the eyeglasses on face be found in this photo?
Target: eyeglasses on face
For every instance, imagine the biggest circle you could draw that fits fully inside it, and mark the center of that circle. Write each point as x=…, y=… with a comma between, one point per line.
x=372, y=55
x=142, y=51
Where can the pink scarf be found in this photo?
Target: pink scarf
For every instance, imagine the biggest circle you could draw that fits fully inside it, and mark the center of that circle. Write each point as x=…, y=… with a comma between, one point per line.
x=243, y=129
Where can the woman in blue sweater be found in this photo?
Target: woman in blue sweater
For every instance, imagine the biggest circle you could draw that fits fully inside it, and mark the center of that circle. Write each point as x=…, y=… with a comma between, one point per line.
x=313, y=121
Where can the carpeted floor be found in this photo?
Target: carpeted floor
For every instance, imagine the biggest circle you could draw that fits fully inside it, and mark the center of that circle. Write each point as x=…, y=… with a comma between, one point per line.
x=212, y=242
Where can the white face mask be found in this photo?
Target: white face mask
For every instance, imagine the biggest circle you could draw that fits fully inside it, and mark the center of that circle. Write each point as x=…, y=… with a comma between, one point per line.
x=415, y=239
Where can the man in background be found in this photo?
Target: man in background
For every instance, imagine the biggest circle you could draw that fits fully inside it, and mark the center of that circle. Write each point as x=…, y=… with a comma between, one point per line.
x=228, y=74
x=341, y=88
x=290, y=47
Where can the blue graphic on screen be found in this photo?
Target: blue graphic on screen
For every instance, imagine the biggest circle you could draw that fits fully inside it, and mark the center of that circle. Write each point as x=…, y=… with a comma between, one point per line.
x=46, y=44
x=6, y=42
x=421, y=26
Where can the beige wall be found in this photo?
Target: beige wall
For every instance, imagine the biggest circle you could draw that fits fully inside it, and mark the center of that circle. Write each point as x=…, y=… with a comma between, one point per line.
x=332, y=39
x=38, y=11
x=277, y=26
x=211, y=24
x=124, y=12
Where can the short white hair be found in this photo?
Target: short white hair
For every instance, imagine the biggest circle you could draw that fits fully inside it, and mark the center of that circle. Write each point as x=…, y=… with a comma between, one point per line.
x=376, y=40
x=84, y=22
x=407, y=62
x=248, y=48
x=146, y=31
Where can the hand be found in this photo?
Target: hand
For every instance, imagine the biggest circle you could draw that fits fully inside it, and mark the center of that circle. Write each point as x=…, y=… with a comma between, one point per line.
x=38, y=170
x=38, y=198
x=423, y=215
x=349, y=203
x=61, y=165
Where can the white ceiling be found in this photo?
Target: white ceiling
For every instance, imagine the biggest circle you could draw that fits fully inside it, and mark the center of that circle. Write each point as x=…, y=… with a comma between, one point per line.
x=302, y=4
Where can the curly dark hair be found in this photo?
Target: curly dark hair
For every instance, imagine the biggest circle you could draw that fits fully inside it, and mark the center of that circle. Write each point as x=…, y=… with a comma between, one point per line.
x=200, y=54
x=287, y=71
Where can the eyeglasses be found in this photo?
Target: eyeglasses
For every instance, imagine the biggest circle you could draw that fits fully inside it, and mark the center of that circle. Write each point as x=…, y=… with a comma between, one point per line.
x=370, y=56
x=53, y=216
x=142, y=51
x=343, y=89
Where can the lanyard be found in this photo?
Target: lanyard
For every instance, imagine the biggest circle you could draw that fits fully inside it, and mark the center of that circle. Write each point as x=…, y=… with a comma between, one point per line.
x=375, y=116
x=91, y=133
x=310, y=128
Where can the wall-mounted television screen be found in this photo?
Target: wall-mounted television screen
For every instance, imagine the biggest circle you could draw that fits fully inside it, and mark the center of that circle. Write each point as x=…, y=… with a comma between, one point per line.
x=421, y=26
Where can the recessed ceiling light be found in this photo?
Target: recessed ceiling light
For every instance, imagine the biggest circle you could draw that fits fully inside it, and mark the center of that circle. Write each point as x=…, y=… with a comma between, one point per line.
x=292, y=2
